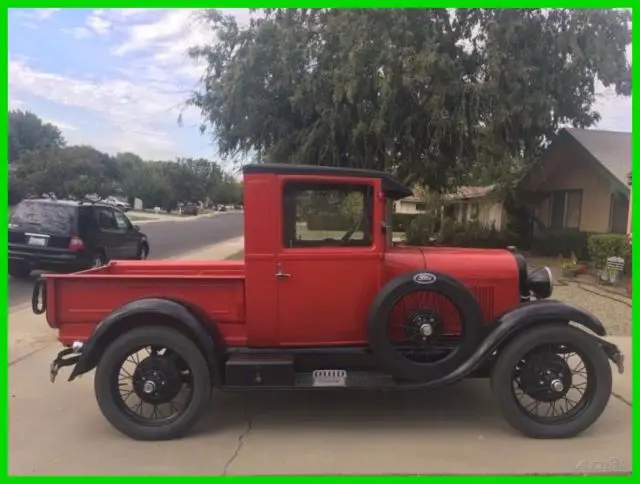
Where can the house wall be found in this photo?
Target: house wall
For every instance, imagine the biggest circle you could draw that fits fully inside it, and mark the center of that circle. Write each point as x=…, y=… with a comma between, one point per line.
x=489, y=212
x=565, y=169
x=407, y=206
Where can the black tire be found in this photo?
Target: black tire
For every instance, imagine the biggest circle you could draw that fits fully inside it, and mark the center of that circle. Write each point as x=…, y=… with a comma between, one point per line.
x=19, y=270
x=471, y=319
x=595, y=360
x=143, y=252
x=98, y=259
x=110, y=363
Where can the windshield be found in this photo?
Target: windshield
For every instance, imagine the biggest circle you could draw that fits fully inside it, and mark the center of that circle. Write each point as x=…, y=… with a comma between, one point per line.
x=45, y=217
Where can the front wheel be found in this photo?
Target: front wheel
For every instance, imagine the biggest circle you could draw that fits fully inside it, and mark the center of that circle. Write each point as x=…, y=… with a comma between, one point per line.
x=19, y=270
x=143, y=251
x=152, y=383
x=553, y=381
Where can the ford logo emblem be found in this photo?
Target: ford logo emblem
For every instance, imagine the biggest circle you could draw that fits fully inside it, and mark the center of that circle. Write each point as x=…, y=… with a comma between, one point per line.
x=424, y=278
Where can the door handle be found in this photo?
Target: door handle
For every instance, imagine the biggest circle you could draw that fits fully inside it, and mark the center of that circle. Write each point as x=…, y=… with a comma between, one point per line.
x=280, y=274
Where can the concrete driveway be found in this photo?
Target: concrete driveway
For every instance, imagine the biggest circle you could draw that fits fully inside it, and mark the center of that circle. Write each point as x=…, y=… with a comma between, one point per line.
x=58, y=429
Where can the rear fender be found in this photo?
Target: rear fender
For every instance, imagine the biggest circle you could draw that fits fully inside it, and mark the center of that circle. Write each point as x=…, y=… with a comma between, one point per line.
x=520, y=319
x=182, y=318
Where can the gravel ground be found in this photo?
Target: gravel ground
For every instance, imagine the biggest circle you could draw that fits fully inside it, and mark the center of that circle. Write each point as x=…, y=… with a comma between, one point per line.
x=614, y=311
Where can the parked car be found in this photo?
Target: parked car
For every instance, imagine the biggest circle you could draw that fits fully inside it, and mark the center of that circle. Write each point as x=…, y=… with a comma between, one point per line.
x=327, y=307
x=65, y=235
x=190, y=209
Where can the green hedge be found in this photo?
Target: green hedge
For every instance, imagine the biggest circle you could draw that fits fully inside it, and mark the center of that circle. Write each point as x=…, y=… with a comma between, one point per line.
x=554, y=243
x=328, y=222
x=603, y=246
x=402, y=221
x=455, y=234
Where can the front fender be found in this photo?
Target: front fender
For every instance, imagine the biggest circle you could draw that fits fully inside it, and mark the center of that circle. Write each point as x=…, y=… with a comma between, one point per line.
x=511, y=323
x=107, y=330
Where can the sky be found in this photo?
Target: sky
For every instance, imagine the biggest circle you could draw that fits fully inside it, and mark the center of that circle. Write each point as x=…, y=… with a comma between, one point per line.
x=117, y=79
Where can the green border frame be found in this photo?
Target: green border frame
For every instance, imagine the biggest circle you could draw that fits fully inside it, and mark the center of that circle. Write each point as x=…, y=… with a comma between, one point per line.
x=283, y=4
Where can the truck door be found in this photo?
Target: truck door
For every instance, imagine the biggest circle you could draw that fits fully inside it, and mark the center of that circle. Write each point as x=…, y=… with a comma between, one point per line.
x=328, y=269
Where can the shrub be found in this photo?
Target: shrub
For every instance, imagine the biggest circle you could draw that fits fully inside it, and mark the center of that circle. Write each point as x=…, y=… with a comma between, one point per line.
x=554, y=243
x=402, y=221
x=420, y=229
x=328, y=222
x=603, y=246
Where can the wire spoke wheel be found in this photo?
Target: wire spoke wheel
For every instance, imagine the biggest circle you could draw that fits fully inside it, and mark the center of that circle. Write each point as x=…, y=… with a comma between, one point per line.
x=551, y=383
x=424, y=327
x=153, y=385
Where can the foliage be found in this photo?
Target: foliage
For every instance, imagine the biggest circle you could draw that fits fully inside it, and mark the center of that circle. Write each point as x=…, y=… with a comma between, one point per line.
x=27, y=132
x=436, y=96
x=603, y=246
x=402, y=221
x=421, y=228
x=563, y=243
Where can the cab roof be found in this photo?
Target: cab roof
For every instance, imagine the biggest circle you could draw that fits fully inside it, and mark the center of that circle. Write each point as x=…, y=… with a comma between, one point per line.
x=392, y=189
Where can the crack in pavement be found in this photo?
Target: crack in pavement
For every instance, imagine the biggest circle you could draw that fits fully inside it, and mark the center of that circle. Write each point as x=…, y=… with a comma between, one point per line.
x=241, y=438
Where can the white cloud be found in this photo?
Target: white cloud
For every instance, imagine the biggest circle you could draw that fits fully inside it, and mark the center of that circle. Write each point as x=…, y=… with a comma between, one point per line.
x=98, y=24
x=131, y=109
x=60, y=124
x=37, y=13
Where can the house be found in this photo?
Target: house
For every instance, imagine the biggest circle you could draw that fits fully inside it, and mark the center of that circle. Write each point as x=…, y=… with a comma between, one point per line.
x=581, y=183
x=411, y=205
x=481, y=204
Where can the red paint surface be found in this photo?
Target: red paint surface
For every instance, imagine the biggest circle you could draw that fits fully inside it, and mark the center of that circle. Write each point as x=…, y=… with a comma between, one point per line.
x=324, y=302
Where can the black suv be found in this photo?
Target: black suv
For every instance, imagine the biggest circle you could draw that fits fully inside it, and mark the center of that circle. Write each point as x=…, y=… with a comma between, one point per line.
x=63, y=235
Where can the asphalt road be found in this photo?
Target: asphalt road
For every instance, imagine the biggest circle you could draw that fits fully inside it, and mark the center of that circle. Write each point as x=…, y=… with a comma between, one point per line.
x=166, y=240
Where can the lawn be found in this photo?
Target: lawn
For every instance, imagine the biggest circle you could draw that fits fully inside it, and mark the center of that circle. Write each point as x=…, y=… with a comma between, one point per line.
x=237, y=256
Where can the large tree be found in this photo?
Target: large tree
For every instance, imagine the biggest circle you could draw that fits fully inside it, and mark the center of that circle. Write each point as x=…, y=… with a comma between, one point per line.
x=27, y=132
x=430, y=94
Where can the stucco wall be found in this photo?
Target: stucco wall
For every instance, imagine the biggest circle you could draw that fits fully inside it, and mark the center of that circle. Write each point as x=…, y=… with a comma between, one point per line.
x=406, y=206
x=564, y=170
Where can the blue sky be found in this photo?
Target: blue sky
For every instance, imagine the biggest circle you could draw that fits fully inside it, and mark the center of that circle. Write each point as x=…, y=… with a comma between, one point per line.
x=117, y=78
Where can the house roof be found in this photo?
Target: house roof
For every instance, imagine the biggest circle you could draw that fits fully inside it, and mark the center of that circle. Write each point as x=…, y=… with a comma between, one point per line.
x=464, y=193
x=611, y=148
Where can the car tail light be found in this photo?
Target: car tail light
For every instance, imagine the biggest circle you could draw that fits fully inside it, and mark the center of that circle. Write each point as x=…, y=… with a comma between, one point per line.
x=76, y=244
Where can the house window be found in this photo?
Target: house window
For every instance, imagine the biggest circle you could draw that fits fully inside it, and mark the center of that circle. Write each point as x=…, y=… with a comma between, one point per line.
x=421, y=207
x=474, y=211
x=565, y=209
x=618, y=214
x=327, y=215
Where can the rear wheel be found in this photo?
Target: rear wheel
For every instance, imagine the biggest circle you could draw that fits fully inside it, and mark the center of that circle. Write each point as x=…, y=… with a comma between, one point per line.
x=98, y=260
x=553, y=381
x=152, y=383
x=19, y=270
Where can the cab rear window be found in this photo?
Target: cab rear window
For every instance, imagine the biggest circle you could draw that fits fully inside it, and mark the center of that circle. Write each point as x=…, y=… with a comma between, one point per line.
x=44, y=217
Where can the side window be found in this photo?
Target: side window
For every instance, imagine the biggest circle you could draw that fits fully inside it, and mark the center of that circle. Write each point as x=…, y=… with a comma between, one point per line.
x=121, y=221
x=327, y=215
x=106, y=219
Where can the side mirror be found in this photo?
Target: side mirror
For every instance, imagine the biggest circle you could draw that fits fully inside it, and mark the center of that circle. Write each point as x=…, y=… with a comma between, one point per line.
x=136, y=228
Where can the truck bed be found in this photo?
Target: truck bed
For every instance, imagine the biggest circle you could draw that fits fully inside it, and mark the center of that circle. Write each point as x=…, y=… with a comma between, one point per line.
x=76, y=303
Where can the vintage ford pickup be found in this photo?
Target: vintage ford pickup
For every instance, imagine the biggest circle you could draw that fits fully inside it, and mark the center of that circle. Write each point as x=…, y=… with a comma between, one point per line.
x=324, y=299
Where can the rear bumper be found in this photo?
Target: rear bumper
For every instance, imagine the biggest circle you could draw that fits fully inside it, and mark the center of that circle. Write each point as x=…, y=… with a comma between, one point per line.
x=48, y=260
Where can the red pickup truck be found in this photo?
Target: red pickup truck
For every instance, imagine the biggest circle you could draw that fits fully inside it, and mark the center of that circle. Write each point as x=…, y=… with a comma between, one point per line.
x=325, y=299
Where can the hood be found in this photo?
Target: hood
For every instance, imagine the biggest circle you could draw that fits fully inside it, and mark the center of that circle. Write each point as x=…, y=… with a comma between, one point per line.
x=459, y=262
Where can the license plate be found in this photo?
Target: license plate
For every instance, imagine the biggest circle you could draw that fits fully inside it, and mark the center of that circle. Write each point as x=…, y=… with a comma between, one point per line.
x=329, y=378
x=38, y=241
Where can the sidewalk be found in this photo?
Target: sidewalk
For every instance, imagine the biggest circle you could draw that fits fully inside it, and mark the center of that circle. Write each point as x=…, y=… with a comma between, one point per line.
x=147, y=217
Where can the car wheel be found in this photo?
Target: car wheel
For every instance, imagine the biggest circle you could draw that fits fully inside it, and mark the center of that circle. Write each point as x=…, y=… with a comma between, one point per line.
x=19, y=270
x=143, y=252
x=98, y=260
x=164, y=388
x=553, y=381
x=423, y=326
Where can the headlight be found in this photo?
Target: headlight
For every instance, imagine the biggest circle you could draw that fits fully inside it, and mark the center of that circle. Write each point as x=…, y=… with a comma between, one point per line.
x=540, y=282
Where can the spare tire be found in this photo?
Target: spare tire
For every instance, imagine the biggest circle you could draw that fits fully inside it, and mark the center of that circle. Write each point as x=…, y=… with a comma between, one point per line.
x=385, y=349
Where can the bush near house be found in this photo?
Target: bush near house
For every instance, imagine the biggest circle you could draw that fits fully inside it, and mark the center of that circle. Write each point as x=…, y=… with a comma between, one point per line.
x=563, y=243
x=456, y=234
x=402, y=221
x=603, y=246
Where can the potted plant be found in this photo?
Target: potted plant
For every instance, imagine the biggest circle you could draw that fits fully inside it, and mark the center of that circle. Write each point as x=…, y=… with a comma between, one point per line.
x=570, y=266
